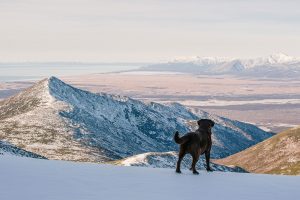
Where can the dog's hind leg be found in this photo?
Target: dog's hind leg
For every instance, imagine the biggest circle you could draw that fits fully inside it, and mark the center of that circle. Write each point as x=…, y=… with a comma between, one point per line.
x=180, y=157
x=195, y=160
x=207, y=158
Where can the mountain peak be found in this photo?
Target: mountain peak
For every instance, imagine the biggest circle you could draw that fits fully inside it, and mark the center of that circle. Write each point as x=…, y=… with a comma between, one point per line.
x=280, y=58
x=45, y=88
x=53, y=79
x=48, y=81
x=43, y=85
x=54, y=82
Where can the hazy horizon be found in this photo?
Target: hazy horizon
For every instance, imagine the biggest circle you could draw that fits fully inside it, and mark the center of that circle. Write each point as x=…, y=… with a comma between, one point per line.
x=38, y=70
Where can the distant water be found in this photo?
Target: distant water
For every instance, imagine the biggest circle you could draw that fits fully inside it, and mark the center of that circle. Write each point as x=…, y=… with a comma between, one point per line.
x=33, y=71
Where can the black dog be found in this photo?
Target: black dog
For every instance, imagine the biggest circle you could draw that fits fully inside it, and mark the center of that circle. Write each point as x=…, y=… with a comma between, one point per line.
x=196, y=143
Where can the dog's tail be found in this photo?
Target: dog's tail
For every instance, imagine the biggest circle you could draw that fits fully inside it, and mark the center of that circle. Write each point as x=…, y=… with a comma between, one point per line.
x=180, y=140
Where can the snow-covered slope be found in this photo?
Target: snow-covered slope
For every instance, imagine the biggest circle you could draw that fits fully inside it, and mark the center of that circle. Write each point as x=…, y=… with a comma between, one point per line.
x=279, y=154
x=9, y=149
x=36, y=179
x=168, y=160
x=276, y=65
x=59, y=121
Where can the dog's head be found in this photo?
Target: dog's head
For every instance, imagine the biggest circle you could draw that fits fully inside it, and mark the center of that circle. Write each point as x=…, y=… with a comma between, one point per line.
x=206, y=123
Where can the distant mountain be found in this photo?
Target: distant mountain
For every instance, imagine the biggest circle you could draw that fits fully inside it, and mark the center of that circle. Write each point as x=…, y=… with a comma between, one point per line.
x=274, y=66
x=58, y=121
x=168, y=160
x=9, y=149
x=279, y=154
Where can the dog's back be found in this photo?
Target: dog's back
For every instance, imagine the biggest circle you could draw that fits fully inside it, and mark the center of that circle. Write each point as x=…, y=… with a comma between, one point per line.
x=184, y=139
x=193, y=142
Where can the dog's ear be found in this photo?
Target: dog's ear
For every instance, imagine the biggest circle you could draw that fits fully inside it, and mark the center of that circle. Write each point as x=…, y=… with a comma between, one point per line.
x=212, y=123
x=199, y=122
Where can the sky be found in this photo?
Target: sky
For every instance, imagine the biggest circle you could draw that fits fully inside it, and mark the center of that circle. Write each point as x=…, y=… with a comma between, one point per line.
x=146, y=31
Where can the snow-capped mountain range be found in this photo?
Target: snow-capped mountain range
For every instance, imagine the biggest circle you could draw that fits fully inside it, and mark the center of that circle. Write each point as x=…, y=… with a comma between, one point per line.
x=58, y=121
x=273, y=66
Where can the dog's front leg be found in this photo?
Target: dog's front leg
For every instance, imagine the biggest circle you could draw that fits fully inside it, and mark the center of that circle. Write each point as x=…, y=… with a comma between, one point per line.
x=207, y=158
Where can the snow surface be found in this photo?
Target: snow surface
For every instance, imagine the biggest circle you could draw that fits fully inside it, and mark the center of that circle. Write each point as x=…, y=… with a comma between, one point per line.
x=35, y=179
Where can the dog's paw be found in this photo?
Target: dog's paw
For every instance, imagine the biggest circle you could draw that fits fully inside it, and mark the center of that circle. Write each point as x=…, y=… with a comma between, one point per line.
x=178, y=171
x=195, y=172
x=209, y=170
